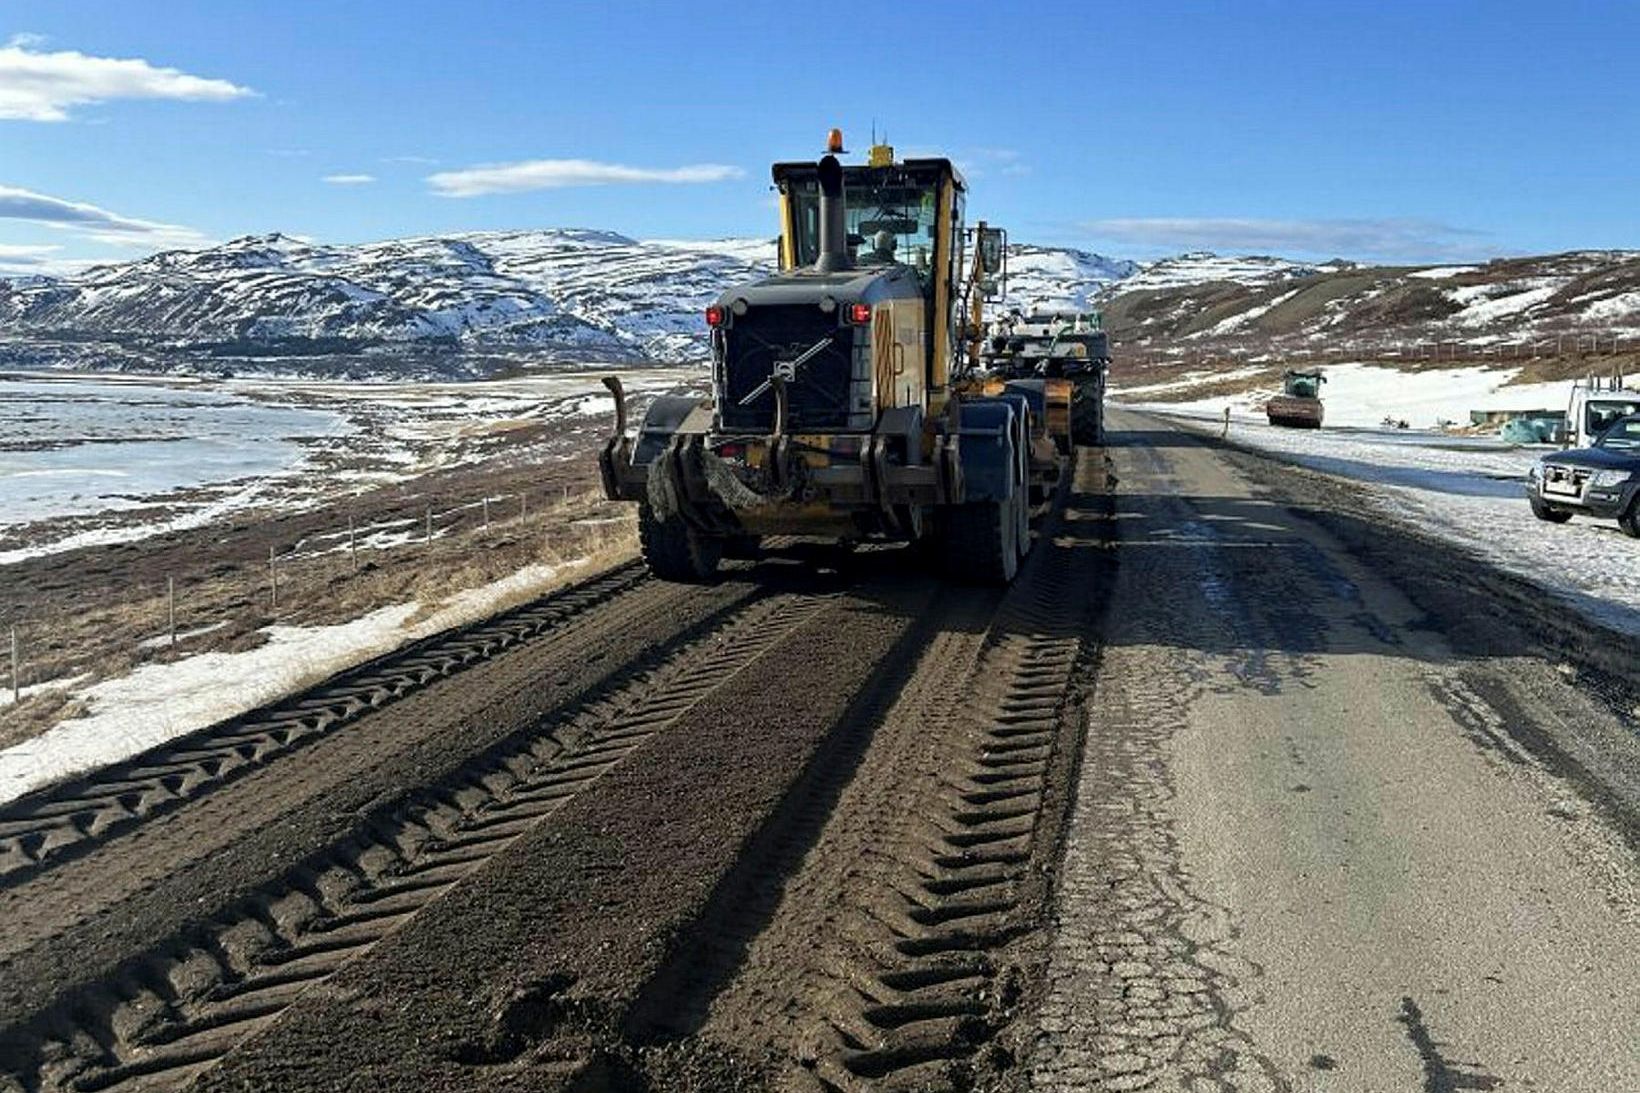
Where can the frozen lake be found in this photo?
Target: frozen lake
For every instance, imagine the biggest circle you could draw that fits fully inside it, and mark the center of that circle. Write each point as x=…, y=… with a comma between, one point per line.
x=75, y=447
x=89, y=460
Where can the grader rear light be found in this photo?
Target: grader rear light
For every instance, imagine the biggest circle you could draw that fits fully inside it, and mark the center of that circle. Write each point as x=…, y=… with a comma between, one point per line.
x=859, y=314
x=714, y=316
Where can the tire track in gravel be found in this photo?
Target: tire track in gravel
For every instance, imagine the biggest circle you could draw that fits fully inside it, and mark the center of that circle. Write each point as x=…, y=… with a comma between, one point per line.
x=175, y=1010
x=46, y=828
x=889, y=941
x=79, y=920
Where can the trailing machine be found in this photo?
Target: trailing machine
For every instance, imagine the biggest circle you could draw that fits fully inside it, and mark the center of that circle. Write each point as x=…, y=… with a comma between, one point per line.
x=849, y=398
x=1299, y=404
x=1069, y=345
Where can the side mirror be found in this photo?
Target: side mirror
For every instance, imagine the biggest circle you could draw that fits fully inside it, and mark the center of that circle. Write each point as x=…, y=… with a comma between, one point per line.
x=991, y=242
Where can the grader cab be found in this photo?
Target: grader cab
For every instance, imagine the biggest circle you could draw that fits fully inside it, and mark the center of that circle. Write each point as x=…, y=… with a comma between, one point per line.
x=846, y=397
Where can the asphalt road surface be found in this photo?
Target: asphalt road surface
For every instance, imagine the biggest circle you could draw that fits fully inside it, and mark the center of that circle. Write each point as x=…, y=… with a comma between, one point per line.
x=1317, y=846
x=1241, y=786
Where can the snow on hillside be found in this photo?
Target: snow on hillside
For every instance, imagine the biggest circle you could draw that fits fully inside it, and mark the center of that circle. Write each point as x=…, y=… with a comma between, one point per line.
x=1061, y=278
x=591, y=295
x=598, y=296
x=1205, y=267
x=1203, y=298
x=598, y=293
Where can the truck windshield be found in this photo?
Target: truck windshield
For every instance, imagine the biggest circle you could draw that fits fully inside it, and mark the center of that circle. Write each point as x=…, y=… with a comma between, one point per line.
x=1598, y=416
x=888, y=220
x=1625, y=435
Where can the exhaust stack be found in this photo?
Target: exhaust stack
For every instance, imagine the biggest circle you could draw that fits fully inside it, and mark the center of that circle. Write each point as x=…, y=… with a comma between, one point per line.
x=833, y=226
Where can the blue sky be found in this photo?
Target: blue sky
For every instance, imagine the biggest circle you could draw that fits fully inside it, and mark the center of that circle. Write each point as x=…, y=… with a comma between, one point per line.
x=1393, y=131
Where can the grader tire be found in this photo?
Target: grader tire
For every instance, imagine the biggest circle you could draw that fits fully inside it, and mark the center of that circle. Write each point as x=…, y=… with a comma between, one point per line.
x=674, y=550
x=1087, y=420
x=980, y=541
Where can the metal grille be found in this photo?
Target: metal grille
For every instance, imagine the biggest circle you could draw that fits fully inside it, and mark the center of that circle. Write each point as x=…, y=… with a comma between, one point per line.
x=1567, y=481
x=773, y=335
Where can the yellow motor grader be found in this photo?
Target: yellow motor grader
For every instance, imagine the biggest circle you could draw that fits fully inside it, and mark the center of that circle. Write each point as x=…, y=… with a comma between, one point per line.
x=848, y=399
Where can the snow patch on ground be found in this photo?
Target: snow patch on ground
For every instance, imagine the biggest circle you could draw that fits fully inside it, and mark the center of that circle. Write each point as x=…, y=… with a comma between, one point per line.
x=1613, y=308
x=1441, y=273
x=160, y=702
x=1488, y=308
x=1364, y=394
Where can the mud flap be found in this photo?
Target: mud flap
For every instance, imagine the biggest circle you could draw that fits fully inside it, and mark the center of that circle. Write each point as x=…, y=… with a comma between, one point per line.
x=992, y=448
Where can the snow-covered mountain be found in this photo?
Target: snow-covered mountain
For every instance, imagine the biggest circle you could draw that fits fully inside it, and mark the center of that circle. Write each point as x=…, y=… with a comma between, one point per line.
x=563, y=293
x=573, y=294
x=594, y=294
x=1060, y=277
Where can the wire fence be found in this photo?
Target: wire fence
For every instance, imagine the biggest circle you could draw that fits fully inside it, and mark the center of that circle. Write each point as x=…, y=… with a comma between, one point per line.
x=1572, y=344
x=317, y=571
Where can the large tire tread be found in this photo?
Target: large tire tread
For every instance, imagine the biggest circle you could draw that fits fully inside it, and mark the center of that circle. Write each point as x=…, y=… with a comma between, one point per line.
x=979, y=542
x=1087, y=420
x=674, y=550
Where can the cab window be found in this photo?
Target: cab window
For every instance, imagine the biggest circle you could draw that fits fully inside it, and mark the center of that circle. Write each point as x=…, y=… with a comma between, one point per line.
x=890, y=218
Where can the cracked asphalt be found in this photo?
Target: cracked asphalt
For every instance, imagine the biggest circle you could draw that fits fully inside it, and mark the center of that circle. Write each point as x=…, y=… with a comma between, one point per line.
x=1331, y=834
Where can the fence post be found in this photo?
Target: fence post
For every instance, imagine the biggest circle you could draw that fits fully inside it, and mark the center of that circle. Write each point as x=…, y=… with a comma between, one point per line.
x=16, y=672
x=429, y=536
x=486, y=512
x=171, y=608
x=273, y=578
x=352, y=544
x=523, y=506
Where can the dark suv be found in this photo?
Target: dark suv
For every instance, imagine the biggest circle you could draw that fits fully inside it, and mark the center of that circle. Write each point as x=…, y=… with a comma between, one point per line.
x=1600, y=480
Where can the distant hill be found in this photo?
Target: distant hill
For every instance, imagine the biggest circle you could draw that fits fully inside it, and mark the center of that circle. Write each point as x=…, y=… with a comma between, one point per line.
x=1230, y=301
x=567, y=294
x=525, y=297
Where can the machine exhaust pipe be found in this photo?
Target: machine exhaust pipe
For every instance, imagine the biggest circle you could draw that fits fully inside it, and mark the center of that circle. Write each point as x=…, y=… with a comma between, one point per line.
x=833, y=224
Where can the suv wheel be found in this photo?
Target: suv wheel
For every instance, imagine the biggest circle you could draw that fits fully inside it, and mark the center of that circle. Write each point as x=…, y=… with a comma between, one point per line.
x=1630, y=520
x=1553, y=515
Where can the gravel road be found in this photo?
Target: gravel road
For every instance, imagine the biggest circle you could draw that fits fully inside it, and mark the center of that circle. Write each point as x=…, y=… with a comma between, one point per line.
x=1237, y=787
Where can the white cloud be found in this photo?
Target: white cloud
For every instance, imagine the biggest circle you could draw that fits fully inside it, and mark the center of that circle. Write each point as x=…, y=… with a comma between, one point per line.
x=32, y=259
x=93, y=222
x=25, y=253
x=1386, y=237
x=424, y=161
x=348, y=180
x=550, y=174
x=37, y=86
